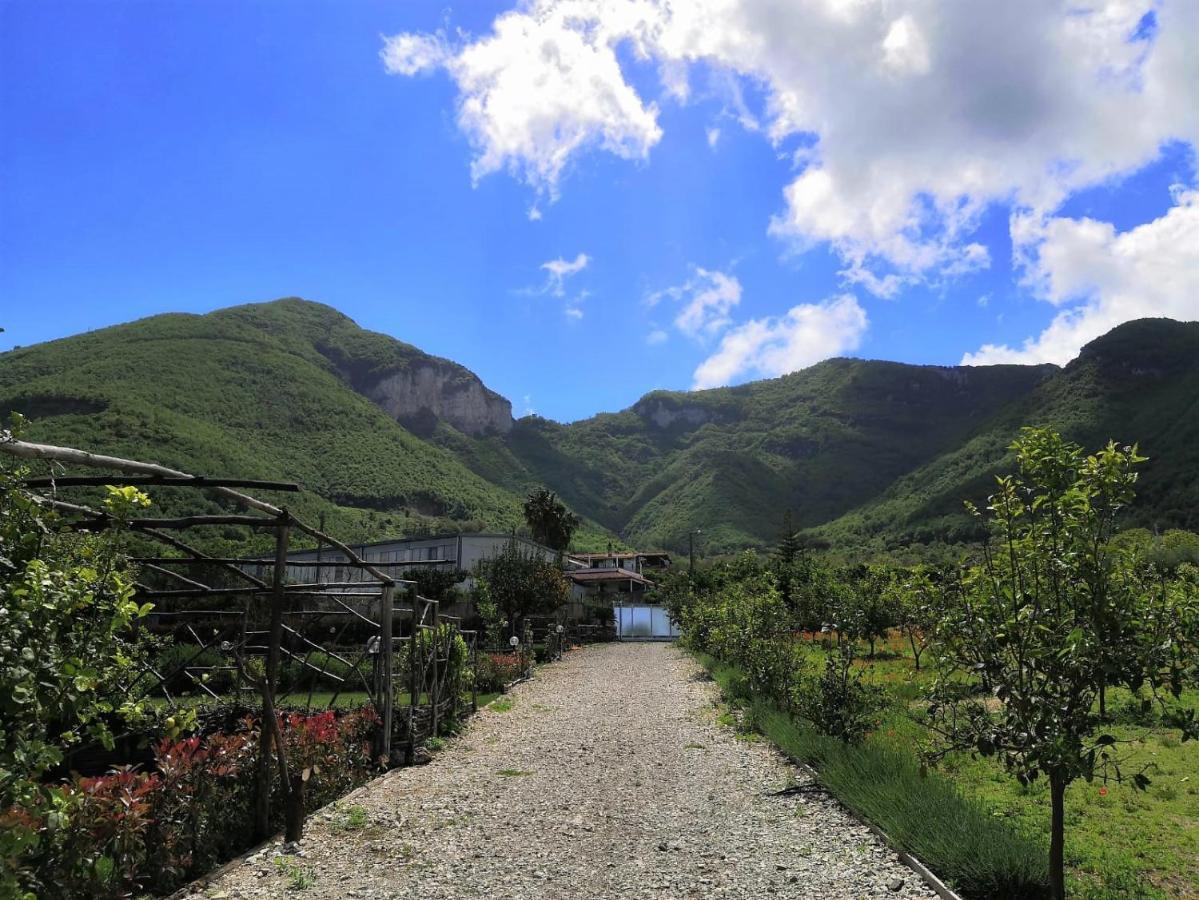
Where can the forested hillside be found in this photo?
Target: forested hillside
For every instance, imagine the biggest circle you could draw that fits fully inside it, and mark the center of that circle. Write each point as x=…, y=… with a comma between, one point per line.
x=389, y=440
x=262, y=391
x=1138, y=383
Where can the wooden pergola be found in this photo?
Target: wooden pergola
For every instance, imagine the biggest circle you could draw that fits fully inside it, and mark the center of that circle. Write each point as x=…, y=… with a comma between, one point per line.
x=270, y=622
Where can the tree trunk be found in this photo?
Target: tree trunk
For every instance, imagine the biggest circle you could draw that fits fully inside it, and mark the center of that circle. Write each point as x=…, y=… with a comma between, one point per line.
x=915, y=652
x=1057, y=838
x=293, y=813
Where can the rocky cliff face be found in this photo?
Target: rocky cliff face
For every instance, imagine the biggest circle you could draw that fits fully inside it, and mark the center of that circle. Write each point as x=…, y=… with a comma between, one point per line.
x=427, y=389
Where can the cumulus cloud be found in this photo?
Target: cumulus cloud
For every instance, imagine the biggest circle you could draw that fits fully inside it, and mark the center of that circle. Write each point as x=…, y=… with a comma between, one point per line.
x=774, y=346
x=1100, y=278
x=706, y=298
x=913, y=115
x=545, y=84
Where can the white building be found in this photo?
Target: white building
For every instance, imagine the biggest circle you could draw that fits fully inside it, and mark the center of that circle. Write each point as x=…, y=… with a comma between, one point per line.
x=444, y=552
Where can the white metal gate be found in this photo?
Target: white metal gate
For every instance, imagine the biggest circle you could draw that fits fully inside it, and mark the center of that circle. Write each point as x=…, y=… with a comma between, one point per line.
x=644, y=623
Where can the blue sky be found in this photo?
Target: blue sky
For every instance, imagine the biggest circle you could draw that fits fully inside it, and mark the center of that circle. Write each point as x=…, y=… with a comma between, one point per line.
x=185, y=156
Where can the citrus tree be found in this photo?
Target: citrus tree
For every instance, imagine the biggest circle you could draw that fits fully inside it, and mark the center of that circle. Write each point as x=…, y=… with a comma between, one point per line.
x=521, y=582
x=1050, y=616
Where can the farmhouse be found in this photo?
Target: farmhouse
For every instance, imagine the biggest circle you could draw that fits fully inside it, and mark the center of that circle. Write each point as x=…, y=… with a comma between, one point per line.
x=613, y=574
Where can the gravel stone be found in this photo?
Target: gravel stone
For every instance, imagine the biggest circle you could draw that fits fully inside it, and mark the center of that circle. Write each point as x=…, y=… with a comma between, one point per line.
x=610, y=778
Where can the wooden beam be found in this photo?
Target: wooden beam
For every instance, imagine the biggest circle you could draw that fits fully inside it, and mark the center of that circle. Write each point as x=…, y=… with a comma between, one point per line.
x=161, y=571
x=199, y=556
x=27, y=450
x=200, y=481
x=350, y=554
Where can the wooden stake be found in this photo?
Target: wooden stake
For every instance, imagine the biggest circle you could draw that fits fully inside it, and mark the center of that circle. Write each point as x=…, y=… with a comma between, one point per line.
x=387, y=633
x=435, y=684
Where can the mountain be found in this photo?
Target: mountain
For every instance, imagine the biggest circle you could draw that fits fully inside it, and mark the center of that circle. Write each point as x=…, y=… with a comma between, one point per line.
x=731, y=461
x=387, y=439
x=289, y=390
x=1139, y=383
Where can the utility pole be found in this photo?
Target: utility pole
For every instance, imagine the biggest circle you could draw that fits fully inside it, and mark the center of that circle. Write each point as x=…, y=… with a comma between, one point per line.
x=691, y=551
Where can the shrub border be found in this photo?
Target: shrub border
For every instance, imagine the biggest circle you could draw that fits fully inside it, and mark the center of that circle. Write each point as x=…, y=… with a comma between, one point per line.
x=209, y=879
x=908, y=859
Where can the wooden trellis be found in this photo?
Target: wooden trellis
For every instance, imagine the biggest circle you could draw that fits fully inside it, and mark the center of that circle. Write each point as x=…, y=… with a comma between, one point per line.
x=251, y=609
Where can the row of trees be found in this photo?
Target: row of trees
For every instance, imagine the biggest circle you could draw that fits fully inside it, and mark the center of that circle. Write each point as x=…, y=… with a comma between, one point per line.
x=1025, y=639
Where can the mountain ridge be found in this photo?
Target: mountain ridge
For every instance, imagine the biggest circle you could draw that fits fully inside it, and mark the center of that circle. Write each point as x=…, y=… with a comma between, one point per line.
x=865, y=453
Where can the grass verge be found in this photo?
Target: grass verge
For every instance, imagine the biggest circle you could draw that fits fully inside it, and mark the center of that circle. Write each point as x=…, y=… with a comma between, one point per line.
x=981, y=857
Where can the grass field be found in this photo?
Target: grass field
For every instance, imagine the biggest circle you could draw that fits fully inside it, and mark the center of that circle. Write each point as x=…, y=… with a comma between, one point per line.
x=1119, y=842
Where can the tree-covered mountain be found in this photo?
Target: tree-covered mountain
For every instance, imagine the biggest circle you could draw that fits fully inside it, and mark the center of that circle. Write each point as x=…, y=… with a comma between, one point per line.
x=289, y=390
x=731, y=461
x=1138, y=383
x=388, y=439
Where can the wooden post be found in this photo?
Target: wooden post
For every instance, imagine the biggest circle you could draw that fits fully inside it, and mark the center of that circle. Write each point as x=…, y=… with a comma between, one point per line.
x=387, y=648
x=413, y=687
x=474, y=667
x=435, y=684
x=267, y=736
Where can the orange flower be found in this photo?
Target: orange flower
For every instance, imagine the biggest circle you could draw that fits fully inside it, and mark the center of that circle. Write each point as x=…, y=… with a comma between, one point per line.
x=1103, y=792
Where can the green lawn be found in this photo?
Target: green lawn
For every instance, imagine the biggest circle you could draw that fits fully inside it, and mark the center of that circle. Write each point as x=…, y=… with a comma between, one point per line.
x=1119, y=842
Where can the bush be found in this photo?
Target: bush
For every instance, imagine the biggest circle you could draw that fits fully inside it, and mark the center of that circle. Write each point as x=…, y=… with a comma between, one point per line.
x=838, y=703
x=495, y=671
x=128, y=832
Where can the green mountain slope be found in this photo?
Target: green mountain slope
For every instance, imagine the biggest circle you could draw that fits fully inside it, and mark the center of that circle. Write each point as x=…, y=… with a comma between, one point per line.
x=389, y=440
x=260, y=391
x=731, y=461
x=1139, y=383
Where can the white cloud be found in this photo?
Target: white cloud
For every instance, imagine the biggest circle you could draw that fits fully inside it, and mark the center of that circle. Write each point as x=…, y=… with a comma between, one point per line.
x=707, y=298
x=559, y=270
x=713, y=136
x=545, y=84
x=409, y=54
x=915, y=114
x=534, y=214
x=774, y=346
x=656, y=336
x=1100, y=278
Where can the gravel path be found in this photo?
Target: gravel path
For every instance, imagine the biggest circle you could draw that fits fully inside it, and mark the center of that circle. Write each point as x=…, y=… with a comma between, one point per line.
x=609, y=777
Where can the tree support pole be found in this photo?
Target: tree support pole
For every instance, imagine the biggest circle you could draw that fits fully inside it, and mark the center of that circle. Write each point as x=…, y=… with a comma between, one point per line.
x=387, y=648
